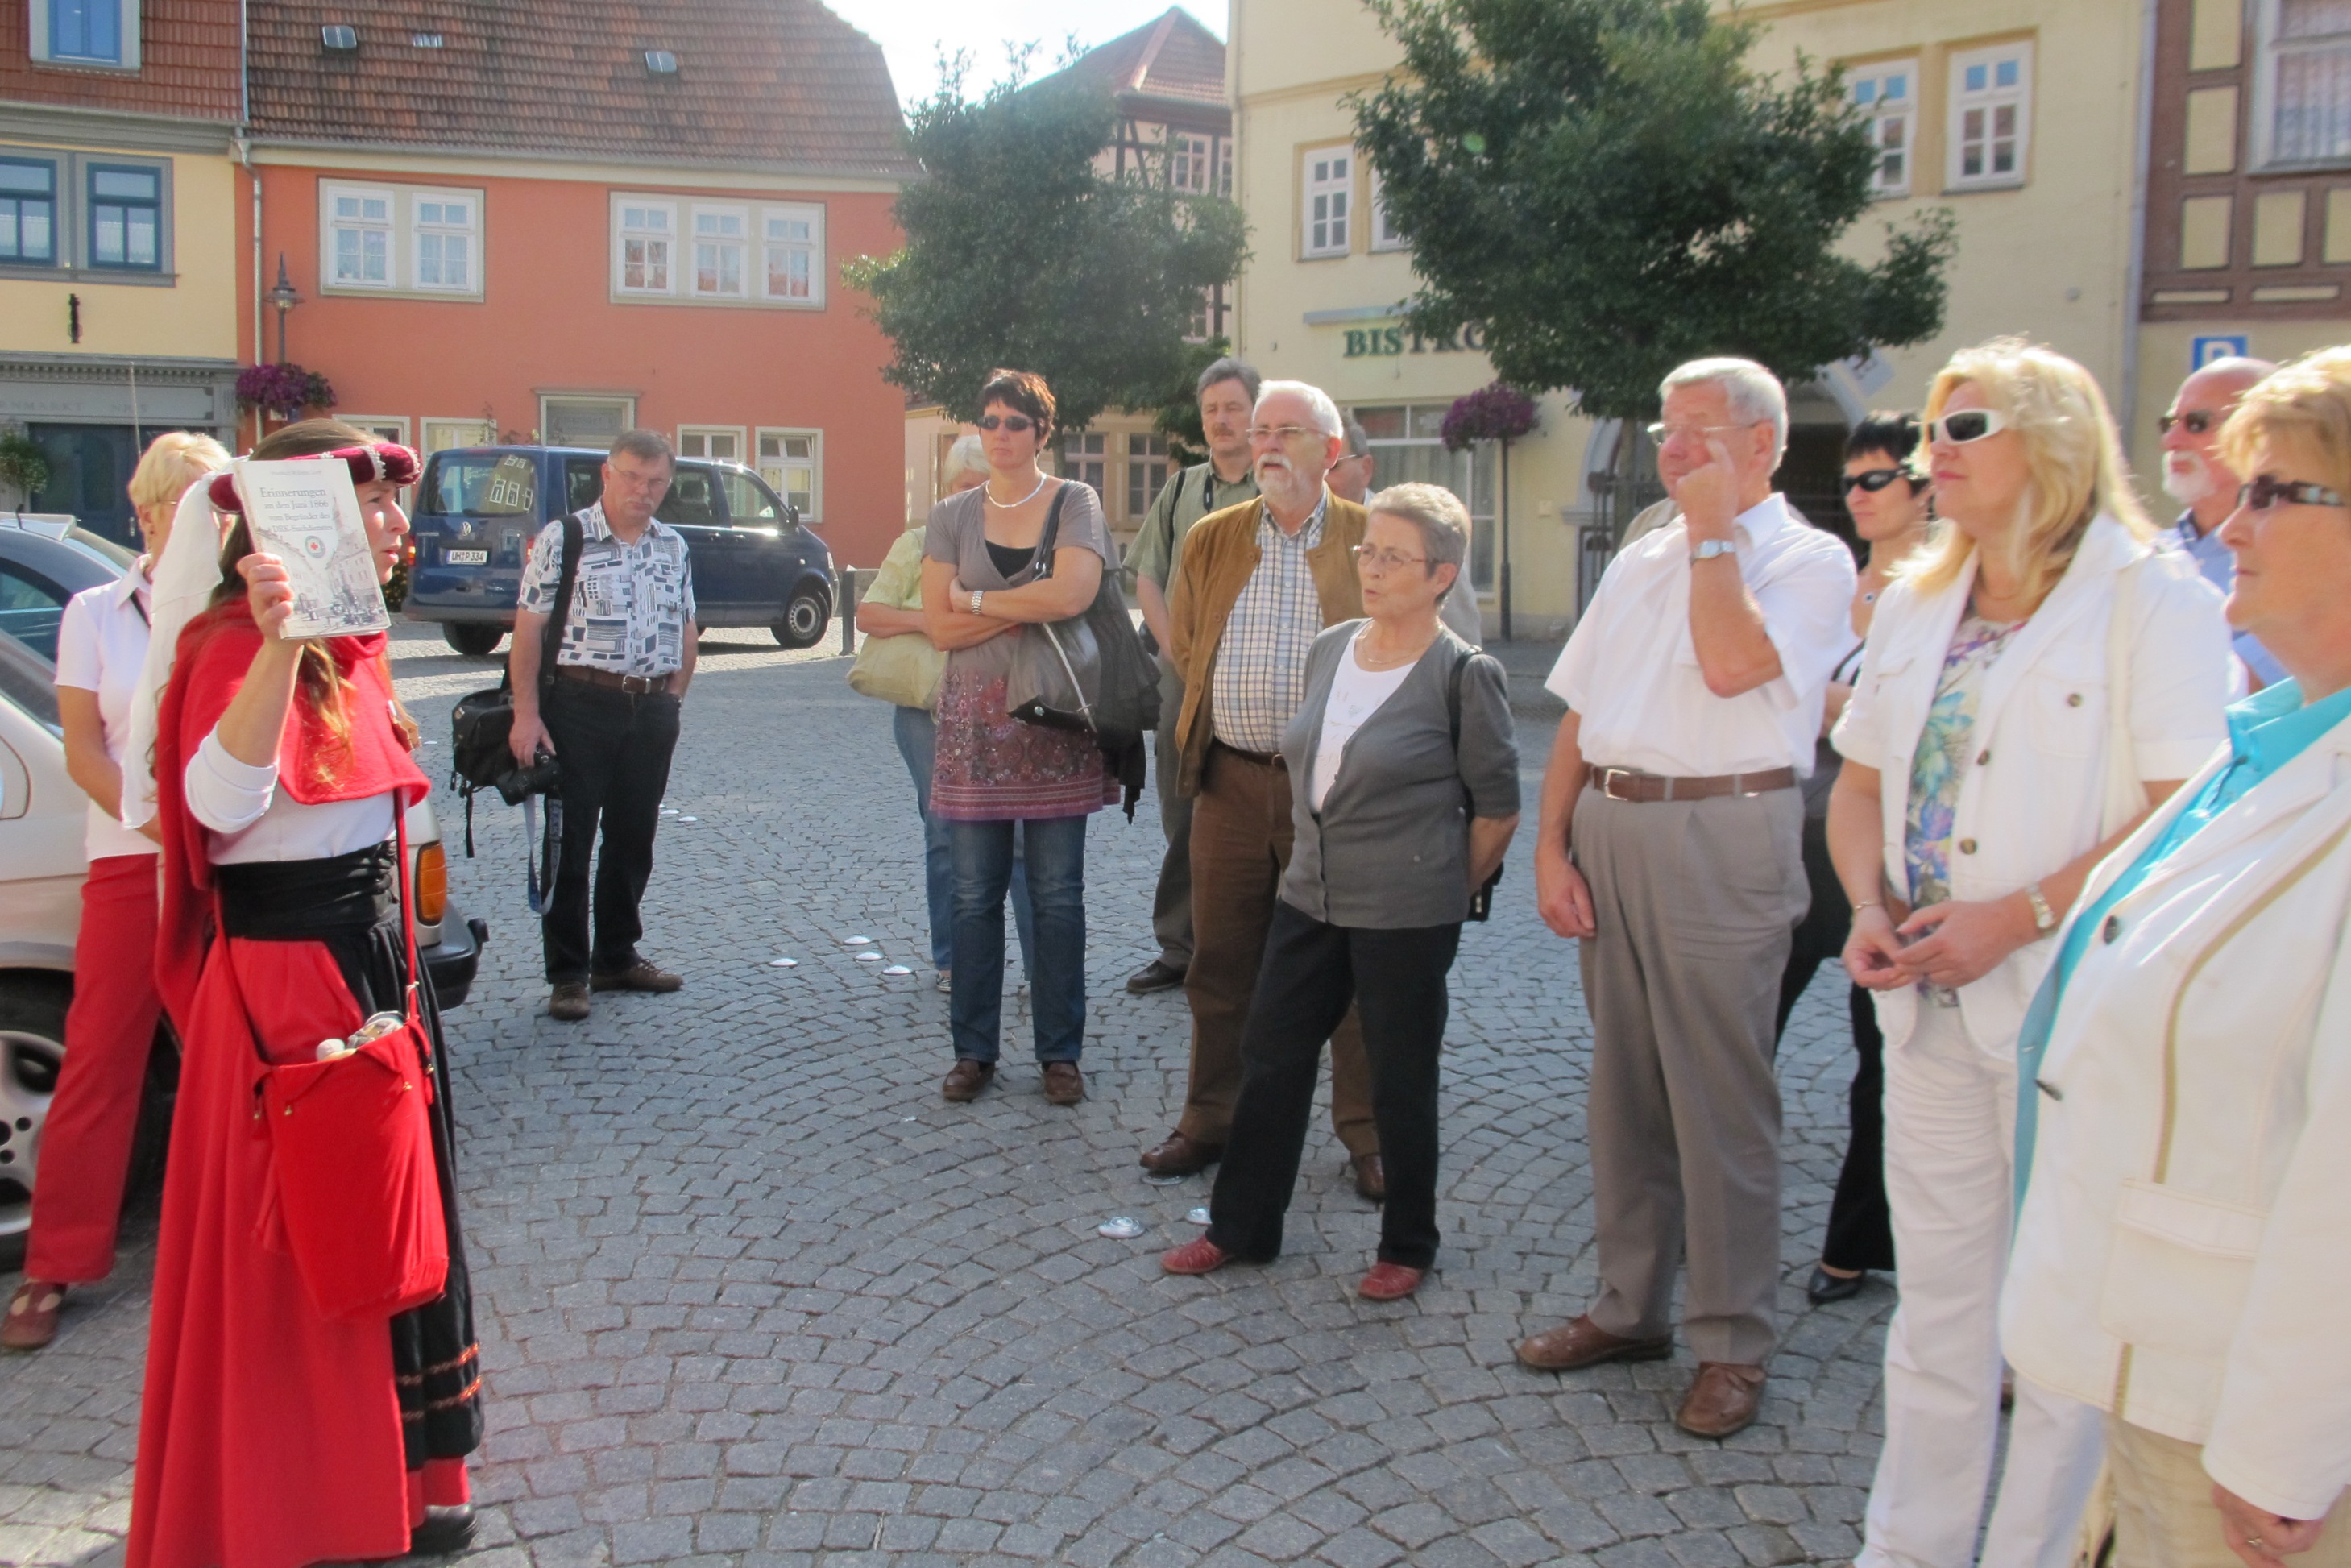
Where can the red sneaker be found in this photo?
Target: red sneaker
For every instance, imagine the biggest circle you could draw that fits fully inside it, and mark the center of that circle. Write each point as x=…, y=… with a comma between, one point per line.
x=1197, y=1256
x=1390, y=1283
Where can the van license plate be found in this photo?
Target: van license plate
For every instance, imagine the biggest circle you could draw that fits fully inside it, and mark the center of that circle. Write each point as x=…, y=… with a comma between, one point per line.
x=466, y=556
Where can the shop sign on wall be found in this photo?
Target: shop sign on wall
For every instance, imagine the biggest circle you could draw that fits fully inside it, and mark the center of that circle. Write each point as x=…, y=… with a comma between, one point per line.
x=1396, y=338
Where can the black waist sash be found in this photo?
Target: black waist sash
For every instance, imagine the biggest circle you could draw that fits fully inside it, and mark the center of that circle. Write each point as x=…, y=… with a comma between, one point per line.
x=289, y=901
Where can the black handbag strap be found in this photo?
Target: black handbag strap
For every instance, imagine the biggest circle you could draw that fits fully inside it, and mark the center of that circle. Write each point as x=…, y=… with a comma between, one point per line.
x=567, y=582
x=1042, y=565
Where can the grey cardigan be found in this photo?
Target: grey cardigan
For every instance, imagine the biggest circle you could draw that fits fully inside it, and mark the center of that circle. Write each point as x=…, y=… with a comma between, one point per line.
x=1390, y=849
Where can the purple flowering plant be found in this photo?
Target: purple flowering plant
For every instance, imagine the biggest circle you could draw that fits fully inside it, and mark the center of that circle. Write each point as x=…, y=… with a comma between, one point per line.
x=282, y=391
x=1495, y=412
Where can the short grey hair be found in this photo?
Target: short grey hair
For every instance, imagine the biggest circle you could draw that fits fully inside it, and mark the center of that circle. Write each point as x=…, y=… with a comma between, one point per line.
x=1325, y=412
x=1437, y=512
x=964, y=455
x=1229, y=369
x=648, y=444
x=1753, y=392
x=1359, y=440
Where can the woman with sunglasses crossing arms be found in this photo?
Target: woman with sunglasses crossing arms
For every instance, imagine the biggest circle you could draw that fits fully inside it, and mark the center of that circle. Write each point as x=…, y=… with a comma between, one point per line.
x=2034, y=681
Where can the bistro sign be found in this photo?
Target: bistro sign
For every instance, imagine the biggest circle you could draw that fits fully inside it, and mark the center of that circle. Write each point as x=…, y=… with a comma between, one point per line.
x=1395, y=340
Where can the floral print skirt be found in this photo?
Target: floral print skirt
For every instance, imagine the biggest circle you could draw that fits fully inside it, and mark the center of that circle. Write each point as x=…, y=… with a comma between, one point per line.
x=992, y=768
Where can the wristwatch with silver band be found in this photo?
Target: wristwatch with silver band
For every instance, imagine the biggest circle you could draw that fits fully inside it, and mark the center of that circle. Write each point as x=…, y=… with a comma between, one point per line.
x=1707, y=549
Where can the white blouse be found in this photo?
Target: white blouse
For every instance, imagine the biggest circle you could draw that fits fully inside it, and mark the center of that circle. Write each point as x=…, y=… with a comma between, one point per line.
x=101, y=643
x=1356, y=693
x=251, y=821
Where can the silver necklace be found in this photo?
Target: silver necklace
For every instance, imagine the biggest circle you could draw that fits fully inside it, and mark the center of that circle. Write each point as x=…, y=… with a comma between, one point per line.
x=989, y=491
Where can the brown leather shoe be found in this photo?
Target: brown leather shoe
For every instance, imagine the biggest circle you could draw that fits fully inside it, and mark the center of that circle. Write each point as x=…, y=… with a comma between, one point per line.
x=1181, y=1154
x=641, y=976
x=1370, y=1176
x=569, y=1003
x=1586, y=1343
x=1722, y=1400
x=32, y=1320
x=1064, y=1084
x=967, y=1078
x=1390, y=1281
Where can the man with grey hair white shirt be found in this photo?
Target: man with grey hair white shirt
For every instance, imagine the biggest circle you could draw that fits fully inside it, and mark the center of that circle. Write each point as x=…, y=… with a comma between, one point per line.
x=1670, y=848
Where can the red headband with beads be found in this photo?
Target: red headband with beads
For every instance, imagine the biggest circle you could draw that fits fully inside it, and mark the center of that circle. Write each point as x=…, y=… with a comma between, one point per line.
x=379, y=462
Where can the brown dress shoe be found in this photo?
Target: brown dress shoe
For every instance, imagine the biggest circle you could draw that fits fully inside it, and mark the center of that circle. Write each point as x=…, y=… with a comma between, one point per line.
x=1586, y=1343
x=32, y=1319
x=1064, y=1084
x=967, y=1078
x=641, y=976
x=1181, y=1154
x=1370, y=1176
x=1722, y=1400
x=569, y=1003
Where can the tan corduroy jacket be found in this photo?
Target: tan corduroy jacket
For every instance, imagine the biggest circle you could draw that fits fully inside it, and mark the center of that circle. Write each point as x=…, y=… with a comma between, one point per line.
x=1220, y=555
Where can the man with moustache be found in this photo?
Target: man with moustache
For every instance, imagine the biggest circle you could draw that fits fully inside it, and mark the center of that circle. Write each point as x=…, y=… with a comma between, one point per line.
x=1227, y=391
x=1259, y=583
x=2195, y=477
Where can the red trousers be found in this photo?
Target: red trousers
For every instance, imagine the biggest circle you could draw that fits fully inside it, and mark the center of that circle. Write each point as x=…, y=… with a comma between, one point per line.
x=86, y=1144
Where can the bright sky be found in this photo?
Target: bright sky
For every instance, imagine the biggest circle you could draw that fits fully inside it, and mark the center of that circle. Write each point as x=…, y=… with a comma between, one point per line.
x=912, y=32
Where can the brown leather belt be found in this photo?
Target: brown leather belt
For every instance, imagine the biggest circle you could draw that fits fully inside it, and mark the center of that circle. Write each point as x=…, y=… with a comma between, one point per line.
x=636, y=686
x=1262, y=758
x=1632, y=784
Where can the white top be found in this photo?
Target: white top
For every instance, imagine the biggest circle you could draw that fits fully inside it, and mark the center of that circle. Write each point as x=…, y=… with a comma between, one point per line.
x=252, y=821
x=101, y=643
x=1631, y=670
x=1356, y=693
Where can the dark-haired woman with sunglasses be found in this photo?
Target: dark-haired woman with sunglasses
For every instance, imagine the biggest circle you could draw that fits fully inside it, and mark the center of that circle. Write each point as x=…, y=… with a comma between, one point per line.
x=2033, y=679
x=1887, y=497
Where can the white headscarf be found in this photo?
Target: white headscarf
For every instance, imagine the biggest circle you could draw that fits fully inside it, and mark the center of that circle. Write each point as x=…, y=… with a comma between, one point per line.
x=184, y=578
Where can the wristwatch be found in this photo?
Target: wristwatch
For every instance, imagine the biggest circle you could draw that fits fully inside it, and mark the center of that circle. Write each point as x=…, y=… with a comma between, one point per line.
x=2044, y=919
x=977, y=595
x=1707, y=549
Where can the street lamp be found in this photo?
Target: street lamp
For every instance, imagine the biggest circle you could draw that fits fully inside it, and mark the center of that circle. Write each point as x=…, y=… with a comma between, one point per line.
x=284, y=297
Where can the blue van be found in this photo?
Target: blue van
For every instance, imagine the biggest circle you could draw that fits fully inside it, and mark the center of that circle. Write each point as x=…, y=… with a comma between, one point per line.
x=478, y=509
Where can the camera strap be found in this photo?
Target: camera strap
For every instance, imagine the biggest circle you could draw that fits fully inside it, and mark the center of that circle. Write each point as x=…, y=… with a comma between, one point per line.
x=541, y=890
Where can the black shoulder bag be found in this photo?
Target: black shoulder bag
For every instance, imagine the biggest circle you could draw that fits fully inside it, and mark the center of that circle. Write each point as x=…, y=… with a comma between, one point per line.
x=482, y=721
x=1481, y=902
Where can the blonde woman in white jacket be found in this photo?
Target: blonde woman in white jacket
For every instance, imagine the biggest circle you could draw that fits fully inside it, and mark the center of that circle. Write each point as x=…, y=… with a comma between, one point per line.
x=2183, y=1260
x=2034, y=681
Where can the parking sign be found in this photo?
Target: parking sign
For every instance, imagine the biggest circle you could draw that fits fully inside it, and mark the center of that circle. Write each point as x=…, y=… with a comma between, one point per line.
x=2202, y=351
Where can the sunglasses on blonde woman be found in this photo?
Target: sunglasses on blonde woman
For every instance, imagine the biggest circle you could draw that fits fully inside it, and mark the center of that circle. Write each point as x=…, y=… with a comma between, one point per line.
x=1967, y=425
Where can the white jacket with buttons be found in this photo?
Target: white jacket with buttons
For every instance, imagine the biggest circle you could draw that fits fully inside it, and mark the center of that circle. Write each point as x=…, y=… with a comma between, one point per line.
x=2183, y=1258
x=2034, y=796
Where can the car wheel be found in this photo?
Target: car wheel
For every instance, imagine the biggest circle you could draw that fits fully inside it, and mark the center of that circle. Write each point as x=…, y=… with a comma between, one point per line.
x=472, y=638
x=32, y=1052
x=805, y=615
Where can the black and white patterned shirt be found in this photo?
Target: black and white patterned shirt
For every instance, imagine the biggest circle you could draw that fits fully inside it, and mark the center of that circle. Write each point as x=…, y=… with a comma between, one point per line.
x=1260, y=676
x=631, y=605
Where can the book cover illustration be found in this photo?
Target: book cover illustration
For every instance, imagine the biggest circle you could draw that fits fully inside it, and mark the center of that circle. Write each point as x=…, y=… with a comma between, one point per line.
x=307, y=515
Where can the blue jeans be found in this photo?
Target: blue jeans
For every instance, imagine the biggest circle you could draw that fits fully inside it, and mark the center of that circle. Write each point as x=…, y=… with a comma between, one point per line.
x=917, y=735
x=1057, y=958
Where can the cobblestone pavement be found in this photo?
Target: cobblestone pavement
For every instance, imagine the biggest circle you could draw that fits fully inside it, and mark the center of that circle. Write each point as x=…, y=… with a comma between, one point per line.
x=753, y=1295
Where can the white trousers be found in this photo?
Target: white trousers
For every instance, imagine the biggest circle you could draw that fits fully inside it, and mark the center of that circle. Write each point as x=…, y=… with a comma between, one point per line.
x=1950, y=1125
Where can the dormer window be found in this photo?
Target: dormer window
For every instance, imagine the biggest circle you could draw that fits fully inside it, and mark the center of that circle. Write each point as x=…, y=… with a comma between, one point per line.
x=425, y=40
x=661, y=62
x=339, y=38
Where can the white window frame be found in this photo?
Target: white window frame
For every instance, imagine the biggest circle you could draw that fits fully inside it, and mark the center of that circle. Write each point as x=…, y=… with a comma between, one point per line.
x=740, y=240
x=1384, y=235
x=2268, y=50
x=334, y=224
x=1875, y=113
x=41, y=47
x=770, y=469
x=624, y=232
x=469, y=232
x=447, y=434
x=403, y=238
x=701, y=435
x=1191, y=162
x=1990, y=99
x=768, y=245
x=1328, y=202
x=383, y=426
x=682, y=285
x=627, y=402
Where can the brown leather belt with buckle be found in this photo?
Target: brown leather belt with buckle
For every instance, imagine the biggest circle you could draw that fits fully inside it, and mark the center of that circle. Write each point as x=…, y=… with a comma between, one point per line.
x=635, y=686
x=1262, y=758
x=1632, y=784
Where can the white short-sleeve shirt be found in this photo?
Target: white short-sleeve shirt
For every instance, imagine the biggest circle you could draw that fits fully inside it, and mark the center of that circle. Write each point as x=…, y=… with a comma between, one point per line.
x=1631, y=671
x=101, y=643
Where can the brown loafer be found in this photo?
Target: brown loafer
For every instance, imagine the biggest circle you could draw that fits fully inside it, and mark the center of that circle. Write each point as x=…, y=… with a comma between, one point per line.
x=1390, y=1281
x=1370, y=1176
x=1586, y=1343
x=569, y=1003
x=641, y=976
x=967, y=1078
x=32, y=1320
x=1181, y=1154
x=1722, y=1400
x=1064, y=1084
x=1197, y=1256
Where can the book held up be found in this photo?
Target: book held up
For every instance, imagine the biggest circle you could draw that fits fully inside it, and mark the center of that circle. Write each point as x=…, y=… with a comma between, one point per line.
x=307, y=514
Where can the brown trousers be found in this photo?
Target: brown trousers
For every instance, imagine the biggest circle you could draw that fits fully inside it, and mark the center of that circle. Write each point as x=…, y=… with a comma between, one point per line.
x=1240, y=846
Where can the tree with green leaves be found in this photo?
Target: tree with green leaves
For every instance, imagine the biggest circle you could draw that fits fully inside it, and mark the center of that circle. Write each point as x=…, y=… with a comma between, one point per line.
x=1020, y=253
x=1609, y=189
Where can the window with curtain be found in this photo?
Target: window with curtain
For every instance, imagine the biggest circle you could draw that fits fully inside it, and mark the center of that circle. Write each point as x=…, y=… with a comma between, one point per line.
x=362, y=238
x=126, y=218
x=28, y=212
x=2310, y=81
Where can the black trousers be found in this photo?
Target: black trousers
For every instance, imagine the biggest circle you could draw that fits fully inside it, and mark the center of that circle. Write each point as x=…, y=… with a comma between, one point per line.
x=614, y=748
x=1311, y=974
x=1860, y=1229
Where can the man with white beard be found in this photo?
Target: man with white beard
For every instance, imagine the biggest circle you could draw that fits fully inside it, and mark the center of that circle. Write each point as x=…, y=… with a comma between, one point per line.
x=2194, y=476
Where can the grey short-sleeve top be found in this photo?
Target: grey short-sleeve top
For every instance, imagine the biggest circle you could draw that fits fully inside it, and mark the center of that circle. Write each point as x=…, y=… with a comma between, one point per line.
x=957, y=535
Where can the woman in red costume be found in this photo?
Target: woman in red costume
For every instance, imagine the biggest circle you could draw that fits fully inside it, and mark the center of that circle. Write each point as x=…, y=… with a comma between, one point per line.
x=270, y=1435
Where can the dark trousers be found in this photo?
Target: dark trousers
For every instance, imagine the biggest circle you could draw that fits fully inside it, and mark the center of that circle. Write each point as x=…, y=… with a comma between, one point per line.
x=1311, y=974
x=1860, y=1229
x=615, y=749
x=1171, y=900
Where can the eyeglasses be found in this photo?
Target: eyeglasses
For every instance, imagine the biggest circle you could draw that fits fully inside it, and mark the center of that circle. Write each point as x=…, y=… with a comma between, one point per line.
x=1967, y=425
x=2267, y=490
x=1661, y=433
x=1017, y=423
x=2199, y=421
x=1285, y=432
x=1386, y=559
x=1875, y=479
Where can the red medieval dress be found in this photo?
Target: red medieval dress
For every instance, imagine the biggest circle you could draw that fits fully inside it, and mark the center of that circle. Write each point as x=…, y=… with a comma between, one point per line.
x=269, y=1435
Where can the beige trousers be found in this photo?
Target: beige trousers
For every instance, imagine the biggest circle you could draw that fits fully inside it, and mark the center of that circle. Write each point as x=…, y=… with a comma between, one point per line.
x=2163, y=1514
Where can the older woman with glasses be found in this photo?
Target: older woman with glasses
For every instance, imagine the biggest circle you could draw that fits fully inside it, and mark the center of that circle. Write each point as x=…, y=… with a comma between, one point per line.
x=2033, y=680
x=2184, y=1254
x=1403, y=778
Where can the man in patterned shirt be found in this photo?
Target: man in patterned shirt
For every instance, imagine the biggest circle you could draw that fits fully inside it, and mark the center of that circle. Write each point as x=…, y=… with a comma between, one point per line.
x=610, y=714
x=1256, y=584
